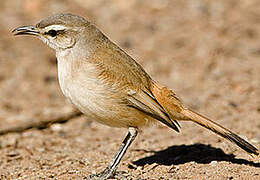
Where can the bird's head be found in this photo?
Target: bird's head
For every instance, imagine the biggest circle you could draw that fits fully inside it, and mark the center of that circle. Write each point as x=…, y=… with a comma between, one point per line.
x=60, y=32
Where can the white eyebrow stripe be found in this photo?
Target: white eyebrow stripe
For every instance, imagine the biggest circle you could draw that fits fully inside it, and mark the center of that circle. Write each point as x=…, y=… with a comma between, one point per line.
x=55, y=27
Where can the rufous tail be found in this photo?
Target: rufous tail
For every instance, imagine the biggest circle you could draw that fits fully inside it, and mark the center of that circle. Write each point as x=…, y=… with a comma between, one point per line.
x=220, y=130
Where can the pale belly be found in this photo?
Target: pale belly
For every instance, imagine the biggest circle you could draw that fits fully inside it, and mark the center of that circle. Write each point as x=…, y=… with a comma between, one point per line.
x=97, y=100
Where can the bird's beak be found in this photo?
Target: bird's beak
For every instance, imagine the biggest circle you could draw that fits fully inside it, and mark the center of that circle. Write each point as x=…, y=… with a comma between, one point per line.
x=26, y=30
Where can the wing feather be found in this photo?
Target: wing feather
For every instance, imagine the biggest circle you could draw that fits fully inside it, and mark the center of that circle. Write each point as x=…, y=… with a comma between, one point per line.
x=145, y=101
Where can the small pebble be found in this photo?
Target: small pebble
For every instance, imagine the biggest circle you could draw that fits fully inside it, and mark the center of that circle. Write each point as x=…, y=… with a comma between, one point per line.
x=41, y=149
x=56, y=127
x=27, y=134
x=139, y=168
x=213, y=163
x=13, y=154
x=73, y=171
x=80, y=140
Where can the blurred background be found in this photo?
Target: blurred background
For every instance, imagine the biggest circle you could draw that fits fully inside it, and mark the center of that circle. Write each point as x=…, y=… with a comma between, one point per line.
x=208, y=52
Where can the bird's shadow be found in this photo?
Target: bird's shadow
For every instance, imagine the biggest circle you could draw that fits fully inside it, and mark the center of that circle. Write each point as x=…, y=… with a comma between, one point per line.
x=199, y=153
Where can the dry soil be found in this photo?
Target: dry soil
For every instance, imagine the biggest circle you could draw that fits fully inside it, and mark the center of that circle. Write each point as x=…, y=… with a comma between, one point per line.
x=208, y=52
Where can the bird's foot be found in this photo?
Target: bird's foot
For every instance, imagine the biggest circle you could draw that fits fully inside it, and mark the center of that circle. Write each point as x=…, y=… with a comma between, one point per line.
x=106, y=174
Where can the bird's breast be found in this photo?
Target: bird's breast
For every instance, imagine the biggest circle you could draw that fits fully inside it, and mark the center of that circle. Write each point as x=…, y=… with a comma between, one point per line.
x=80, y=84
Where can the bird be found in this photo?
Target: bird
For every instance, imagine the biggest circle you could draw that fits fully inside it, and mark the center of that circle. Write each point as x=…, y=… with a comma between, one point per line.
x=109, y=86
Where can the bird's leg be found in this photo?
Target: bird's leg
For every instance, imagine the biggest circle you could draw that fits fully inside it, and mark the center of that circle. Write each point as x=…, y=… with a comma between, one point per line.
x=111, y=168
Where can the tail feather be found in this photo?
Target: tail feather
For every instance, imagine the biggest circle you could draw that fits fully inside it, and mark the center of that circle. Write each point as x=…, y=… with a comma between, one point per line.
x=220, y=130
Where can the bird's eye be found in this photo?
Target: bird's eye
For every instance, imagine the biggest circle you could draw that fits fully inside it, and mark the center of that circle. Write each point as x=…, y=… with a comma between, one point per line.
x=52, y=33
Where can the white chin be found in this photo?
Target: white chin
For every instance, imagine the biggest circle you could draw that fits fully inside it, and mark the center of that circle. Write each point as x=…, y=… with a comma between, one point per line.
x=51, y=45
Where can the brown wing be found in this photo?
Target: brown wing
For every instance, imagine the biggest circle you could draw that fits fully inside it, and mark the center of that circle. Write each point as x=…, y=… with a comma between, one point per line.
x=133, y=82
x=145, y=101
x=118, y=68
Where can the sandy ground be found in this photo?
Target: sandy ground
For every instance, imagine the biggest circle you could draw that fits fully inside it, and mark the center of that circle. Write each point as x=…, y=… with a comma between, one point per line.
x=208, y=52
